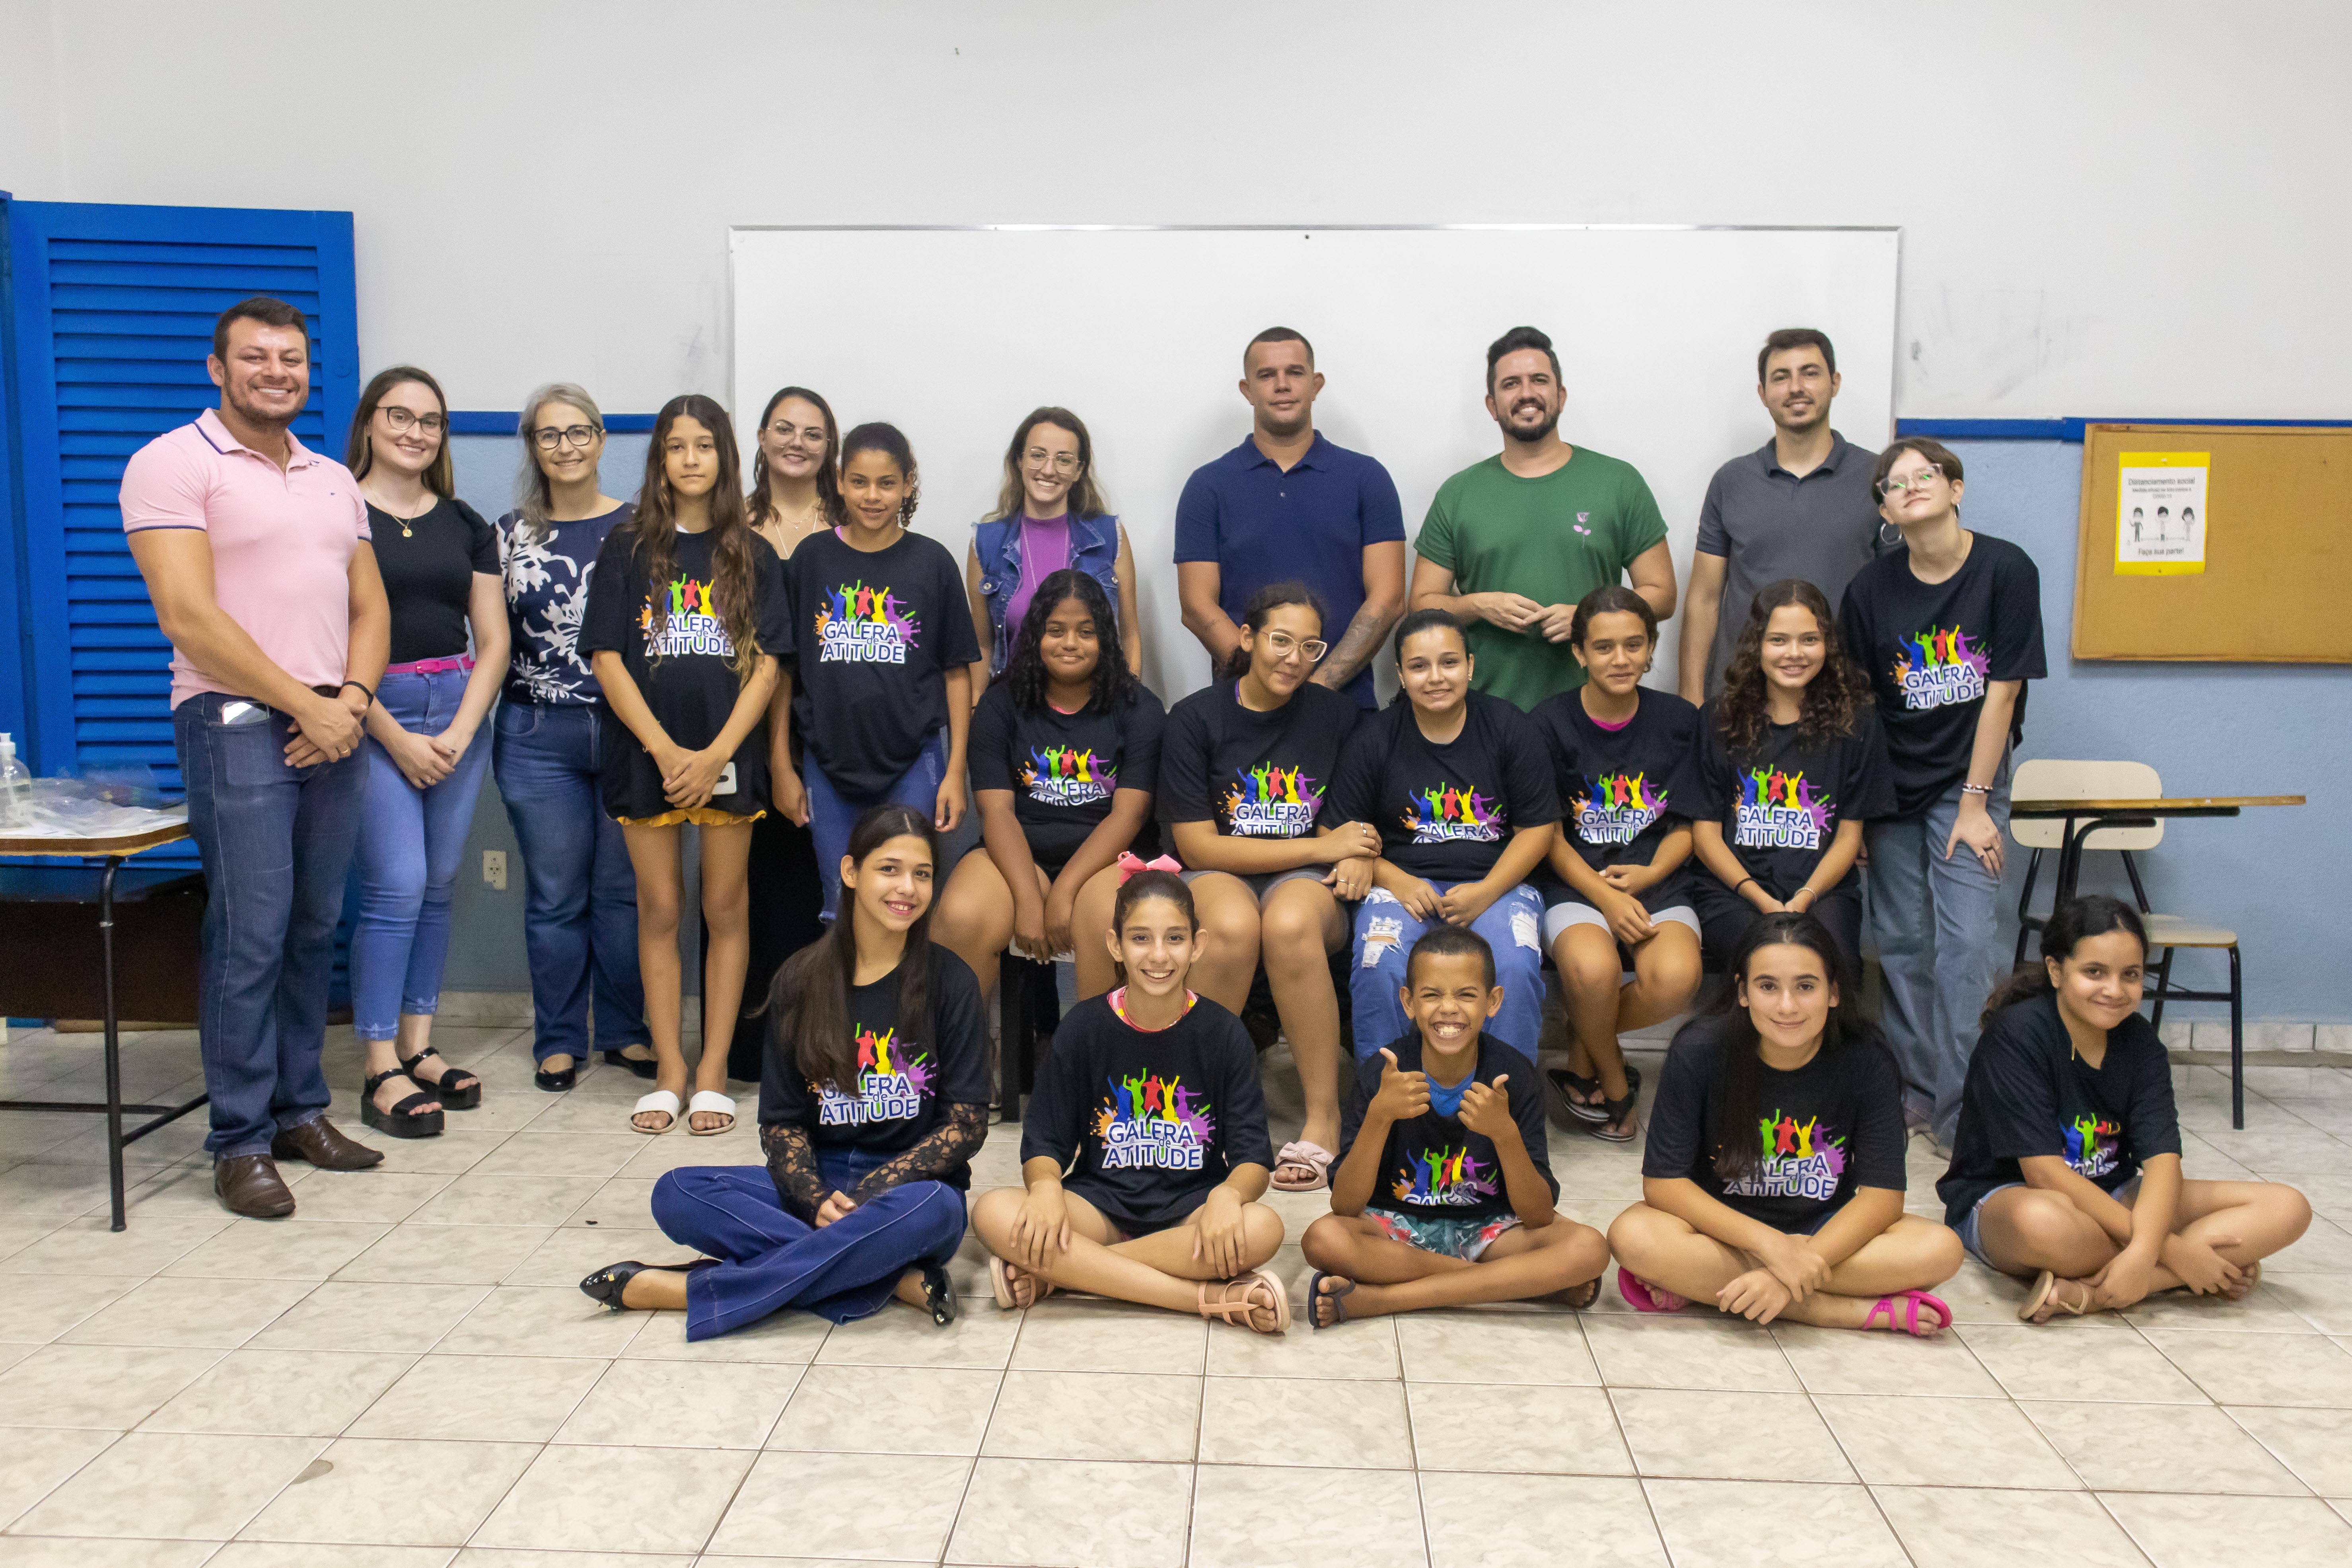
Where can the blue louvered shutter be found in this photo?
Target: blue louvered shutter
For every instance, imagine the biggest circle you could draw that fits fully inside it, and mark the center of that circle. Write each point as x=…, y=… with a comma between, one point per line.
x=113, y=317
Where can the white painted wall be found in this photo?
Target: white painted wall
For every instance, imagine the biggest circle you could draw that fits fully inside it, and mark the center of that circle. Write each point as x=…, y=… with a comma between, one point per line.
x=2107, y=208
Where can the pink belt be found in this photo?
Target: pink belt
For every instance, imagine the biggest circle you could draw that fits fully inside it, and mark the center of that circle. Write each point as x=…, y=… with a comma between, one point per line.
x=431, y=666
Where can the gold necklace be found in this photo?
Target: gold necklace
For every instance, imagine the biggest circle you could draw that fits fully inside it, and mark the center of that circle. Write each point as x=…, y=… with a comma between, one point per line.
x=431, y=501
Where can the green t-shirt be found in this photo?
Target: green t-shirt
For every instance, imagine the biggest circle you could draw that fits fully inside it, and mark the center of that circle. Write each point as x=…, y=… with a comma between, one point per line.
x=1555, y=539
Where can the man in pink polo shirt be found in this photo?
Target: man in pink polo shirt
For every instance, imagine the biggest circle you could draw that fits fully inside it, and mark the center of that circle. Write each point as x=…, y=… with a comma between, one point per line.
x=256, y=553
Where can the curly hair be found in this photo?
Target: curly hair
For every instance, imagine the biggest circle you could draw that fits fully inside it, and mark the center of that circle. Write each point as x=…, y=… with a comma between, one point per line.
x=1025, y=671
x=1831, y=701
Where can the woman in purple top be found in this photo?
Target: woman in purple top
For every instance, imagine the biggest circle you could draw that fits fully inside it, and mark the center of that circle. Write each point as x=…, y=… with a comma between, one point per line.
x=1049, y=516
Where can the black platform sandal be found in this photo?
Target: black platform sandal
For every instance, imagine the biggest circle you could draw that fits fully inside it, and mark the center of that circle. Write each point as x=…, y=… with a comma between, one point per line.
x=643, y=1067
x=1573, y=1084
x=939, y=1294
x=457, y=1089
x=607, y=1283
x=403, y=1119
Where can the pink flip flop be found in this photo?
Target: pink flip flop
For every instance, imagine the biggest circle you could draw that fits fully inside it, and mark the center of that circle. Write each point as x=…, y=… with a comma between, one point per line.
x=1644, y=1298
x=1913, y=1301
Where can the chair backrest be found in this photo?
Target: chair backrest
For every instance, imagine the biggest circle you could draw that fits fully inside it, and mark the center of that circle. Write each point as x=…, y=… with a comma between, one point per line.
x=2050, y=778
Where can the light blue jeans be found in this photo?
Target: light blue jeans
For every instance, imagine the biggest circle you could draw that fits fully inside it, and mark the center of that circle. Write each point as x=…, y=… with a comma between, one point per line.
x=833, y=814
x=411, y=841
x=1385, y=933
x=1936, y=922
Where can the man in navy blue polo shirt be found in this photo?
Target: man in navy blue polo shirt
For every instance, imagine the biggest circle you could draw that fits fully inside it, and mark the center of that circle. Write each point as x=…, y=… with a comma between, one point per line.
x=1288, y=505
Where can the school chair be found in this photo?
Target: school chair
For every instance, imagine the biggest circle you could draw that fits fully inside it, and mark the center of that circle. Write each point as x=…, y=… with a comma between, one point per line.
x=1028, y=1011
x=2046, y=778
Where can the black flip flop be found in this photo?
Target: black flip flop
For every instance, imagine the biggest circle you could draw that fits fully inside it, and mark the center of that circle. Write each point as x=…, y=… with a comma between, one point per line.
x=643, y=1067
x=1315, y=1292
x=1572, y=1084
x=1617, y=1114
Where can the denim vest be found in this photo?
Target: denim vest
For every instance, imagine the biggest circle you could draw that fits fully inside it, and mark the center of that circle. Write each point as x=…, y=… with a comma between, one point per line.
x=1094, y=550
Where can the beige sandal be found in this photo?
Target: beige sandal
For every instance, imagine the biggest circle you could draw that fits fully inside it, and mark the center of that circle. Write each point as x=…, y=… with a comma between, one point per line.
x=1003, y=1277
x=1259, y=1293
x=2052, y=1295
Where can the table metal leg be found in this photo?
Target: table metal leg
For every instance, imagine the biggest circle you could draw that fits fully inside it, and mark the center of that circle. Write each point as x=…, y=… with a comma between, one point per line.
x=113, y=1038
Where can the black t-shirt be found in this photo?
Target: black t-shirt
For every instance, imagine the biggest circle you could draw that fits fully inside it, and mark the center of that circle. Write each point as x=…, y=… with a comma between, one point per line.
x=1622, y=791
x=1445, y=812
x=692, y=686
x=1063, y=768
x=905, y=1083
x=1831, y=1126
x=1254, y=775
x=1931, y=647
x=428, y=575
x=1433, y=1167
x=2028, y=1093
x=1154, y=1120
x=1781, y=804
x=874, y=634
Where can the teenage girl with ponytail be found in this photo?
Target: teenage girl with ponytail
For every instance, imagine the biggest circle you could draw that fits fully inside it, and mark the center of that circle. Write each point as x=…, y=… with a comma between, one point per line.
x=2066, y=1166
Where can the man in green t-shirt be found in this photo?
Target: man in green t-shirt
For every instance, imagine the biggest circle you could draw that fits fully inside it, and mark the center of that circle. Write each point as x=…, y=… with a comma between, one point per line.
x=1512, y=543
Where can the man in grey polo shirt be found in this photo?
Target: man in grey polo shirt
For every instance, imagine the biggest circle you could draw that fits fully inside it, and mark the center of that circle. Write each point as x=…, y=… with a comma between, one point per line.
x=1798, y=505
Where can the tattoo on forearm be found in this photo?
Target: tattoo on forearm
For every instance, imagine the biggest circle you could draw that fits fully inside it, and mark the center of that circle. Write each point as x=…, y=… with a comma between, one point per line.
x=1356, y=645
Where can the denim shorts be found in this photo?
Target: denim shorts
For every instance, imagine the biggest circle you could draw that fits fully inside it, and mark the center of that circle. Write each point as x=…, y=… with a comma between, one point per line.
x=1463, y=1238
x=2124, y=1194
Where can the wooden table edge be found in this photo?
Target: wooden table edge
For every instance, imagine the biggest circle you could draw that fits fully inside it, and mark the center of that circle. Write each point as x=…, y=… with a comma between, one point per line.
x=116, y=844
x=2150, y=803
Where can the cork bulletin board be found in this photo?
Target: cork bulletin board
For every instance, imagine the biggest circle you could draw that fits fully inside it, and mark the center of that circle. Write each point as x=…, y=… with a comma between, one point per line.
x=2260, y=570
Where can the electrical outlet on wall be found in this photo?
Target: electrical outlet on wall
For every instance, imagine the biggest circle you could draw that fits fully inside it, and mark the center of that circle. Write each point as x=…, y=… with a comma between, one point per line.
x=494, y=869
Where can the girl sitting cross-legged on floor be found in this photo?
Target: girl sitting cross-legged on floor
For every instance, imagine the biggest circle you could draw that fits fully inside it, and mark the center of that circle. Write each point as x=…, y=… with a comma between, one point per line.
x=1444, y=1193
x=1772, y=1182
x=2067, y=1161
x=873, y=1100
x=1145, y=1150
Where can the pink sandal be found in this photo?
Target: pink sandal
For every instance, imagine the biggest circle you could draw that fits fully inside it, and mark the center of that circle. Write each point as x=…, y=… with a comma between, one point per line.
x=1646, y=1298
x=1913, y=1301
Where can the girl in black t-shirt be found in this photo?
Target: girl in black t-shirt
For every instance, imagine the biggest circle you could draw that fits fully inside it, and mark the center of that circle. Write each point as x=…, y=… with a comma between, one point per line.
x=1624, y=762
x=1772, y=1181
x=873, y=1100
x=1065, y=758
x=1459, y=785
x=685, y=617
x=2066, y=1164
x=1791, y=765
x=1242, y=776
x=1144, y=1152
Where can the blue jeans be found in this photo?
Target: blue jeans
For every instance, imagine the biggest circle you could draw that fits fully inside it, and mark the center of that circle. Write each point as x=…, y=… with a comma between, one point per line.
x=579, y=894
x=276, y=843
x=770, y=1261
x=1385, y=933
x=833, y=814
x=410, y=843
x=1936, y=922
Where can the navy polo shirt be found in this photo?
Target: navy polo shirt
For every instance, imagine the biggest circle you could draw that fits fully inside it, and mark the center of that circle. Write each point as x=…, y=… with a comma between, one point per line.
x=1262, y=525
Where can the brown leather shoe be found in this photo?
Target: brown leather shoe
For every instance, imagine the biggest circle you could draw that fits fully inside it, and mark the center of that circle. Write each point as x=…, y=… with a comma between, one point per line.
x=249, y=1185
x=319, y=1143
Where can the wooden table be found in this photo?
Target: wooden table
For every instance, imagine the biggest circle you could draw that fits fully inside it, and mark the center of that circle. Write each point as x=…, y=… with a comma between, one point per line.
x=112, y=851
x=2085, y=817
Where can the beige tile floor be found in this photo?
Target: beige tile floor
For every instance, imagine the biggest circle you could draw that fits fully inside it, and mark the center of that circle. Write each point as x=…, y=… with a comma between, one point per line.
x=403, y=1375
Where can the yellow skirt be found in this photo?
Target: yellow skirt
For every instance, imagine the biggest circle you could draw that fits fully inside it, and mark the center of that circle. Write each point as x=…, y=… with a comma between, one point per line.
x=699, y=816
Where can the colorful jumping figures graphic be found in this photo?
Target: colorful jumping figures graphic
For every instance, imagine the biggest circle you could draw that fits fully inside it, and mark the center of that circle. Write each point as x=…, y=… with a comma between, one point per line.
x=1937, y=667
x=688, y=624
x=2093, y=1145
x=1617, y=808
x=860, y=624
x=1444, y=1176
x=1271, y=802
x=1067, y=776
x=1148, y=1121
x=891, y=1083
x=1443, y=812
x=1777, y=810
x=1801, y=1159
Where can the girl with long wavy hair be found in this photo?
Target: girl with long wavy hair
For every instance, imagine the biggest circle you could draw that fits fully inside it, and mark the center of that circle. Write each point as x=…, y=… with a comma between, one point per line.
x=686, y=618
x=1792, y=763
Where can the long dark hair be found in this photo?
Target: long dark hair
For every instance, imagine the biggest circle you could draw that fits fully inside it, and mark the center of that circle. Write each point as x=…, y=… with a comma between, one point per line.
x=808, y=1003
x=1737, y=1094
x=655, y=525
x=1264, y=603
x=2069, y=925
x=1115, y=685
x=828, y=473
x=892, y=443
x=1832, y=698
x=1153, y=884
x=359, y=453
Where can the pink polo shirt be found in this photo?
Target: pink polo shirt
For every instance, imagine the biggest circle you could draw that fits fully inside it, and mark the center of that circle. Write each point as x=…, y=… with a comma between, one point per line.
x=282, y=542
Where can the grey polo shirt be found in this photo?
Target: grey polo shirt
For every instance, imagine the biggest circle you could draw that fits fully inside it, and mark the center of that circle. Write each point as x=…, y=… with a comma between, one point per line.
x=1768, y=523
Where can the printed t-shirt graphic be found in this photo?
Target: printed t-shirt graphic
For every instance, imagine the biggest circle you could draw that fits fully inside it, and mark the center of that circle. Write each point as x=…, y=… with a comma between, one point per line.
x=1068, y=776
x=1445, y=810
x=1434, y=1167
x=2029, y=1094
x=690, y=626
x=1063, y=769
x=1149, y=1121
x=1797, y=1160
x=1933, y=650
x=892, y=1079
x=1256, y=775
x=1623, y=790
x=875, y=633
x=1780, y=804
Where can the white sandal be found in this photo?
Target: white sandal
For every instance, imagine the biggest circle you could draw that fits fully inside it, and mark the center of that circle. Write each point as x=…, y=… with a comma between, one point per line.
x=708, y=1099
x=660, y=1100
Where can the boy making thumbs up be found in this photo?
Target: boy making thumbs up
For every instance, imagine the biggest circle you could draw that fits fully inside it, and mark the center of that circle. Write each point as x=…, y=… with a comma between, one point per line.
x=1443, y=1195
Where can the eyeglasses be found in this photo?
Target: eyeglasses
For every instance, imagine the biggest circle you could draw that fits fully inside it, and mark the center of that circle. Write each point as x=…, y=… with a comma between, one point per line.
x=785, y=430
x=1917, y=480
x=1284, y=645
x=1060, y=462
x=549, y=436
x=401, y=418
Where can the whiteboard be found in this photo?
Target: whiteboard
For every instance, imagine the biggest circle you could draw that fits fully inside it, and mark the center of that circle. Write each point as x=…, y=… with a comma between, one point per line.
x=954, y=335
